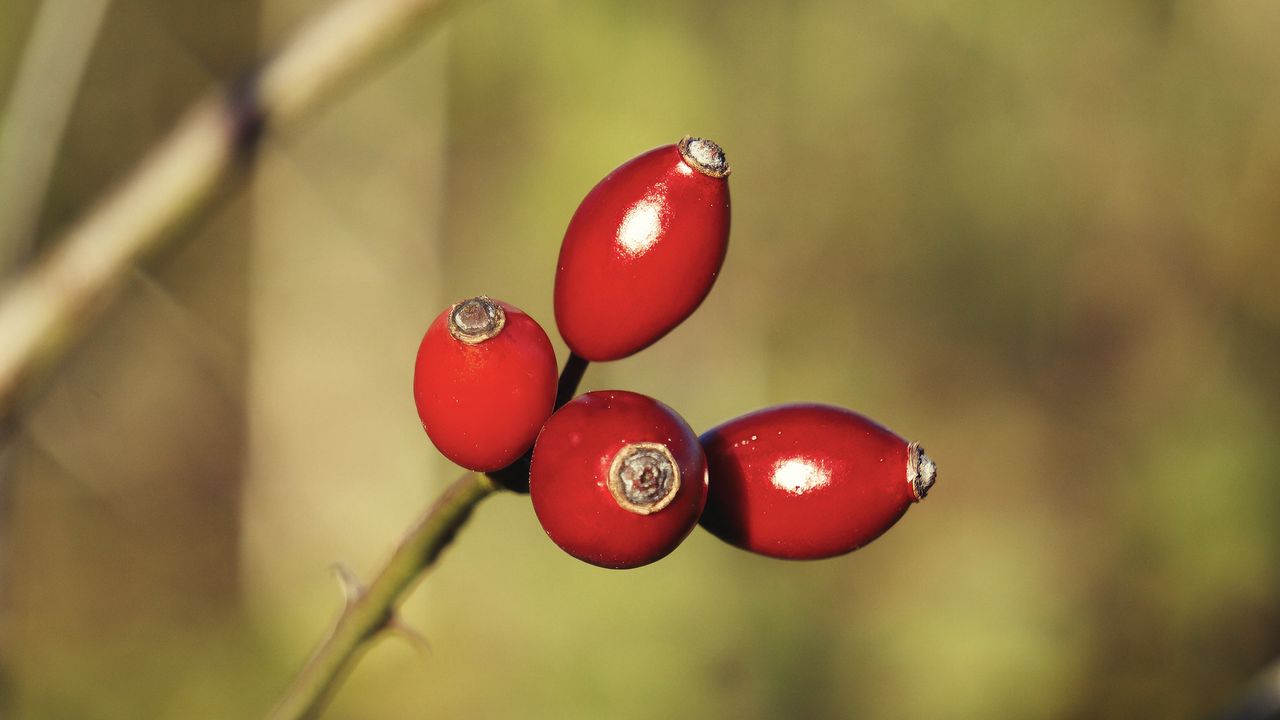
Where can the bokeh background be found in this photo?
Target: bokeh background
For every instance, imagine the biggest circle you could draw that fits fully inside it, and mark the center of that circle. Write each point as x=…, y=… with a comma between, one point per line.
x=1039, y=238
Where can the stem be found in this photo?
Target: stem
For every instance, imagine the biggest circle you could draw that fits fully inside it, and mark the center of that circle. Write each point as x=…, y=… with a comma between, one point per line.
x=373, y=608
x=39, y=106
x=574, y=368
x=56, y=299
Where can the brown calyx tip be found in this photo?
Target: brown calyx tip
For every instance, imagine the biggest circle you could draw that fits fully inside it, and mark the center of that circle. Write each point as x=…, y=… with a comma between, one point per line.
x=476, y=319
x=704, y=156
x=922, y=471
x=644, y=477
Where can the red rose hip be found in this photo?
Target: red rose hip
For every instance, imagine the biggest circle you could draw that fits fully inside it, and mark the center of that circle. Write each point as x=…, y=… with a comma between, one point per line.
x=643, y=250
x=484, y=382
x=618, y=479
x=809, y=481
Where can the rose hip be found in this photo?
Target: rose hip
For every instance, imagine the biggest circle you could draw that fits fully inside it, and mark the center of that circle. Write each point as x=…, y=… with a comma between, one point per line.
x=618, y=479
x=643, y=250
x=809, y=481
x=484, y=382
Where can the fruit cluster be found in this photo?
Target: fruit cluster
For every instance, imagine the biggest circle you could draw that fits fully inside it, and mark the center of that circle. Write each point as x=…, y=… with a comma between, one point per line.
x=619, y=479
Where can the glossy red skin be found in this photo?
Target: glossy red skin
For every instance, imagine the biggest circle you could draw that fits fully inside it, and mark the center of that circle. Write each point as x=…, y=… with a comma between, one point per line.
x=804, y=482
x=482, y=405
x=568, y=480
x=640, y=254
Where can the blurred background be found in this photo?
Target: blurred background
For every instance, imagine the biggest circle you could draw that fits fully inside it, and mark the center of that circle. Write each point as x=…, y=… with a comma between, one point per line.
x=1046, y=235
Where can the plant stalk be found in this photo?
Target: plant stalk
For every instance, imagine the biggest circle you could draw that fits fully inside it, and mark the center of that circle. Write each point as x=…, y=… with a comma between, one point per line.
x=373, y=609
x=570, y=377
x=60, y=295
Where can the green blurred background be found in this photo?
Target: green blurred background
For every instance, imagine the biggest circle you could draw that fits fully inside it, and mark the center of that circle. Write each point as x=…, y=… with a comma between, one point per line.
x=1039, y=238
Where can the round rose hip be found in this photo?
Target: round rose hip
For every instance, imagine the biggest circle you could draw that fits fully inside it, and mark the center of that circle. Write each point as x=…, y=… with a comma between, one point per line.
x=484, y=382
x=643, y=250
x=809, y=481
x=618, y=479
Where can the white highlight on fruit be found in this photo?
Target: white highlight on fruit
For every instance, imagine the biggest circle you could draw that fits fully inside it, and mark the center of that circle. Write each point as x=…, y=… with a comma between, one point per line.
x=641, y=226
x=798, y=476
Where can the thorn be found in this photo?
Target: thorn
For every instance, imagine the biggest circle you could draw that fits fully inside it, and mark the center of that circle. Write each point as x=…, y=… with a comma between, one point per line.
x=398, y=627
x=352, y=589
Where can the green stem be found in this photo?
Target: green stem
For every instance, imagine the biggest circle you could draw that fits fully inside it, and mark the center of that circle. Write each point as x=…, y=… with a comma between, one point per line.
x=61, y=294
x=373, y=608
x=53, y=63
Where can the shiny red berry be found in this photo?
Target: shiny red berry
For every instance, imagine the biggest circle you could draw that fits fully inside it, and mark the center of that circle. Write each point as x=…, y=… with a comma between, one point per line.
x=643, y=250
x=484, y=382
x=809, y=481
x=618, y=479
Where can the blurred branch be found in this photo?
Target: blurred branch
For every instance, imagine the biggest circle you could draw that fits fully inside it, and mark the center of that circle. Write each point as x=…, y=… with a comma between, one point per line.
x=39, y=106
x=1261, y=701
x=54, y=300
x=372, y=610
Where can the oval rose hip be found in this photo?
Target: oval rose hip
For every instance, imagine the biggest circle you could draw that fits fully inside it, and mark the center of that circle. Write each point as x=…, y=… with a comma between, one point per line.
x=643, y=249
x=618, y=479
x=484, y=382
x=809, y=481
